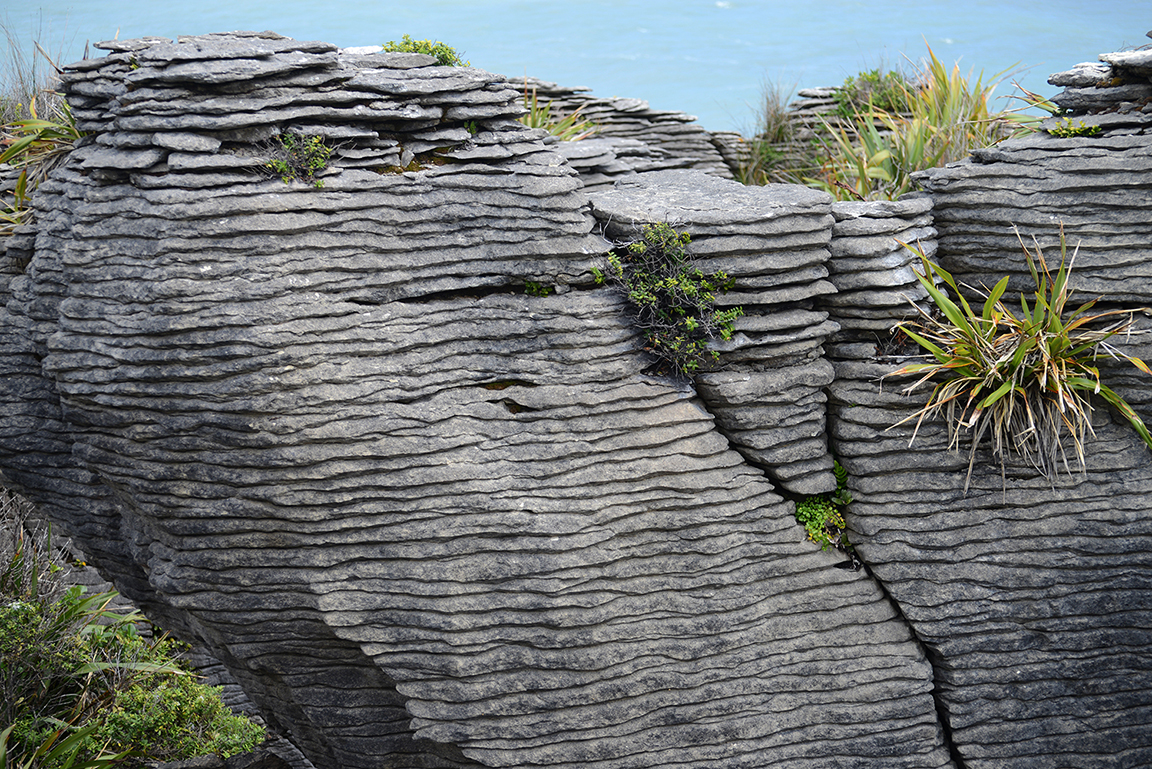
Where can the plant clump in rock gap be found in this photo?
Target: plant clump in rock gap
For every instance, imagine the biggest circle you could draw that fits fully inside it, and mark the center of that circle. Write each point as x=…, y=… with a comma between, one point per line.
x=1023, y=378
x=674, y=300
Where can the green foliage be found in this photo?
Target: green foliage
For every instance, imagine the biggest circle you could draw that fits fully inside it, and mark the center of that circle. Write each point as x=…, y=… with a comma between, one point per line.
x=60, y=749
x=80, y=683
x=1066, y=129
x=296, y=156
x=567, y=128
x=532, y=288
x=1023, y=378
x=445, y=54
x=175, y=717
x=886, y=90
x=822, y=515
x=675, y=301
x=35, y=146
x=938, y=120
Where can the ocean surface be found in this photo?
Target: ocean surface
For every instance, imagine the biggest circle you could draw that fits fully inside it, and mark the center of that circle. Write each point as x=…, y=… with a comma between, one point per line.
x=709, y=58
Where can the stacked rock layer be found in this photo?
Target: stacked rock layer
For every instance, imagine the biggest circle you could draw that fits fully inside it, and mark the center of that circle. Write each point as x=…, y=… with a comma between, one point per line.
x=425, y=518
x=874, y=267
x=673, y=139
x=1030, y=595
x=773, y=243
x=1094, y=186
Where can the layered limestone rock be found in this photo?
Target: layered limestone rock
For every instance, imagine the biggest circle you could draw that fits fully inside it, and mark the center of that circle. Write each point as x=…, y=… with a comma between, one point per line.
x=1095, y=186
x=1030, y=597
x=671, y=139
x=773, y=242
x=873, y=268
x=426, y=519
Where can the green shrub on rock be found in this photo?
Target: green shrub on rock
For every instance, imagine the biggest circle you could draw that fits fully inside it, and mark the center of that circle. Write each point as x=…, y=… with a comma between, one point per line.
x=81, y=685
x=822, y=515
x=445, y=54
x=675, y=301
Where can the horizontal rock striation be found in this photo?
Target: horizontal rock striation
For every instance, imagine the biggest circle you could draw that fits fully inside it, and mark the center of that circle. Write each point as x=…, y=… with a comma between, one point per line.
x=1095, y=186
x=1030, y=597
x=424, y=518
x=773, y=242
x=873, y=268
x=672, y=137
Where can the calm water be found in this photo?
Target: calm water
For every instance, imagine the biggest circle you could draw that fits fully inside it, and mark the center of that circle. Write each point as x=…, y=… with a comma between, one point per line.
x=706, y=57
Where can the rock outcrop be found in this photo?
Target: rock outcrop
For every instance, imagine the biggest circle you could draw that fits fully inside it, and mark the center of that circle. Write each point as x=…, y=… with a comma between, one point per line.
x=773, y=242
x=1030, y=596
x=424, y=518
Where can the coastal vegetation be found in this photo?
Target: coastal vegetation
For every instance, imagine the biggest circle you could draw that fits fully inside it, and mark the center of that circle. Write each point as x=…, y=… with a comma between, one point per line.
x=36, y=133
x=1022, y=378
x=85, y=684
x=674, y=300
x=885, y=127
x=445, y=54
x=565, y=127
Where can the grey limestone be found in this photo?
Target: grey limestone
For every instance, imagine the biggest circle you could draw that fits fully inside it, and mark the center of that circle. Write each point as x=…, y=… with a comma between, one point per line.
x=423, y=518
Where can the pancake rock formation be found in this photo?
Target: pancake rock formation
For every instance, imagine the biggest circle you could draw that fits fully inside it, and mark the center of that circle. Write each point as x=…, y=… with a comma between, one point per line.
x=427, y=519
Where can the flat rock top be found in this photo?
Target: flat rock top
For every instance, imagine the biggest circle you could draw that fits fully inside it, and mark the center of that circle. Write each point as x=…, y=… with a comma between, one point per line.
x=691, y=195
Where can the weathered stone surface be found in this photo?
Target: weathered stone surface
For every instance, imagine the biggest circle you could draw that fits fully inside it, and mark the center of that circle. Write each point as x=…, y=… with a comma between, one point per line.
x=779, y=231
x=1029, y=597
x=1095, y=187
x=673, y=137
x=425, y=519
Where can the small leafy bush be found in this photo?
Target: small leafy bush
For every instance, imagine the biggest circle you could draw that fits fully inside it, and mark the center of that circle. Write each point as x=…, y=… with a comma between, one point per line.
x=887, y=90
x=81, y=686
x=675, y=301
x=1022, y=378
x=445, y=54
x=822, y=515
x=296, y=156
x=1066, y=129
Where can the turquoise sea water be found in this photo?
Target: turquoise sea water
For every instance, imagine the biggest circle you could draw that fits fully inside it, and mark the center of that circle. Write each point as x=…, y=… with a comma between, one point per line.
x=710, y=58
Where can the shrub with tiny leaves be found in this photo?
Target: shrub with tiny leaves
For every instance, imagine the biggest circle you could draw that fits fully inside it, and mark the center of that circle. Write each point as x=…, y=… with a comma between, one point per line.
x=445, y=54
x=675, y=301
x=296, y=156
x=823, y=514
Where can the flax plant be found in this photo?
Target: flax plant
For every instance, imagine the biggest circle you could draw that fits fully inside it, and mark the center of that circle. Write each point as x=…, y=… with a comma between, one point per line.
x=874, y=152
x=1022, y=378
x=567, y=128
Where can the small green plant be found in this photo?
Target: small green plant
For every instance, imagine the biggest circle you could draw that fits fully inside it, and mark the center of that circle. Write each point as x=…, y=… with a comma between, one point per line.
x=296, y=156
x=1066, y=129
x=822, y=515
x=886, y=90
x=1022, y=378
x=568, y=128
x=445, y=54
x=35, y=146
x=942, y=116
x=532, y=288
x=675, y=301
x=60, y=749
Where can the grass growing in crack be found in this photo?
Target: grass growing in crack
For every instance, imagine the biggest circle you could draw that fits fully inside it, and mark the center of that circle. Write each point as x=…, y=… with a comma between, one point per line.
x=1021, y=378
